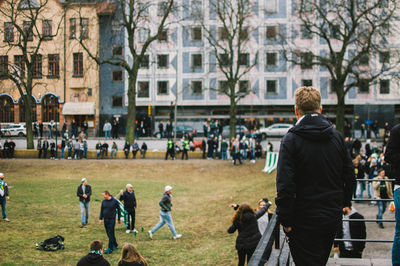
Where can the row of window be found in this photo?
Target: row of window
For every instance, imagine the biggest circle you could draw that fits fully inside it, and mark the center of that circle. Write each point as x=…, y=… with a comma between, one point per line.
x=50, y=109
x=37, y=65
x=47, y=30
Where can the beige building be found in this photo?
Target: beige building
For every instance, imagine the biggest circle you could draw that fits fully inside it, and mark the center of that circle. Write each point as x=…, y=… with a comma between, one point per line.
x=66, y=80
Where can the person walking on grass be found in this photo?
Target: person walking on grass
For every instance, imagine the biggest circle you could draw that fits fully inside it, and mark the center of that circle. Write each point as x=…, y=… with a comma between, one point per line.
x=95, y=256
x=165, y=214
x=129, y=199
x=109, y=209
x=84, y=192
x=3, y=196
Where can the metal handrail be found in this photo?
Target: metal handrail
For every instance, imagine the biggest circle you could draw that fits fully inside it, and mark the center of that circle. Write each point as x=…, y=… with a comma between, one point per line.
x=369, y=220
x=362, y=199
x=374, y=180
x=365, y=240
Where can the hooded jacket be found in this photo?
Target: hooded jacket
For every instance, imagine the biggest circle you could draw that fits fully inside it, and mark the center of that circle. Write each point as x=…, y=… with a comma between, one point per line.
x=357, y=231
x=315, y=175
x=93, y=259
x=392, y=154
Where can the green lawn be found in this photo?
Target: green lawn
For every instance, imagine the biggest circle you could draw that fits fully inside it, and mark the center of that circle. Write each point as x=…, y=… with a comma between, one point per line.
x=43, y=203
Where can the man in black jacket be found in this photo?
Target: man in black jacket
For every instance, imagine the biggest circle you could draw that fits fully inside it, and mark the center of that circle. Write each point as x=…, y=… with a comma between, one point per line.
x=108, y=211
x=45, y=147
x=351, y=230
x=129, y=199
x=315, y=180
x=84, y=192
x=95, y=256
x=392, y=156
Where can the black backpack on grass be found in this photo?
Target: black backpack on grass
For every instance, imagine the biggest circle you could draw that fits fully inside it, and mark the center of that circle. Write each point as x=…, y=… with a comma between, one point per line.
x=52, y=244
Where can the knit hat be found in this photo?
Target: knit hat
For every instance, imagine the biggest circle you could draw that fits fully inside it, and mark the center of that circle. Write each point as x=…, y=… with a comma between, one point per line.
x=83, y=180
x=1, y=175
x=167, y=188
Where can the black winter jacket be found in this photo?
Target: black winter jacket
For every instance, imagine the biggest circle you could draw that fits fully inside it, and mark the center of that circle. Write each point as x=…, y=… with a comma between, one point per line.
x=88, y=192
x=249, y=234
x=129, y=199
x=315, y=175
x=392, y=154
x=93, y=259
x=357, y=231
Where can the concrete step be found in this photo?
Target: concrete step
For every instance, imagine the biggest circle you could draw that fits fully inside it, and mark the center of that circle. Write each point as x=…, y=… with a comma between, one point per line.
x=359, y=262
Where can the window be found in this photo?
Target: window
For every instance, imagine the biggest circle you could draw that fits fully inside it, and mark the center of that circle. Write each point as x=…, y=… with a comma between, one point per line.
x=162, y=60
x=162, y=87
x=163, y=36
x=307, y=5
x=306, y=60
x=22, y=110
x=271, y=59
x=244, y=59
x=305, y=33
x=72, y=28
x=8, y=32
x=50, y=108
x=89, y=92
x=78, y=65
x=20, y=65
x=54, y=65
x=271, y=6
x=244, y=85
x=223, y=87
x=224, y=59
x=364, y=60
x=271, y=33
x=385, y=29
x=196, y=86
x=332, y=87
x=3, y=66
x=143, y=89
x=306, y=82
x=384, y=3
x=196, y=8
x=6, y=109
x=363, y=31
x=37, y=66
x=28, y=31
x=117, y=75
x=117, y=51
x=271, y=87
x=384, y=86
x=143, y=35
x=197, y=61
x=162, y=8
x=196, y=34
x=144, y=9
x=84, y=28
x=47, y=30
x=361, y=5
x=335, y=31
x=384, y=57
x=244, y=34
x=363, y=86
x=223, y=33
x=116, y=101
x=145, y=63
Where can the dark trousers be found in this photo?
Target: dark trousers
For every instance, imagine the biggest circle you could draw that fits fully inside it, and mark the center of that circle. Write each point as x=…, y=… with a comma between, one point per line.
x=243, y=253
x=311, y=247
x=109, y=224
x=126, y=154
x=131, y=218
x=3, y=206
x=237, y=156
x=171, y=153
x=134, y=154
x=185, y=153
x=350, y=254
x=44, y=153
x=40, y=153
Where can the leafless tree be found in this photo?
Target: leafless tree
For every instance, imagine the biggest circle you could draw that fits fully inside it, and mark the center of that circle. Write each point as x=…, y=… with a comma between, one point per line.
x=27, y=24
x=229, y=44
x=356, y=37
x=132, y=17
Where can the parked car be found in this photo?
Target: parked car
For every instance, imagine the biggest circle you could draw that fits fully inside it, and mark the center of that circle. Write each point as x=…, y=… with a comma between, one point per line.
x=13, y=130
x=180, y=131
x=275, y=130
x=241, y=130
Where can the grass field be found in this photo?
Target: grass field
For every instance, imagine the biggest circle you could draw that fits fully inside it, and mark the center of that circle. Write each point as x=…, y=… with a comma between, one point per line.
x=43, y=203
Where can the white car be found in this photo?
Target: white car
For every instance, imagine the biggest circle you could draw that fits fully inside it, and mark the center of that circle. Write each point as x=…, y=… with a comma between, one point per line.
x=13, y=130
x=276, y=130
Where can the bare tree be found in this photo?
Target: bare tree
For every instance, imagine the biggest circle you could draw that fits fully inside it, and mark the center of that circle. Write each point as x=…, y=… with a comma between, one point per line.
x=132, y=17
x=355, y=36
x=24, y=38
x=229, y=44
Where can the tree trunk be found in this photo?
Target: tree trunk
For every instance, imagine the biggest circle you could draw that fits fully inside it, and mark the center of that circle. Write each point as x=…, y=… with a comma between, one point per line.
x=131, y=120
x=232, y=117
x=340, y=114
x=28, y=121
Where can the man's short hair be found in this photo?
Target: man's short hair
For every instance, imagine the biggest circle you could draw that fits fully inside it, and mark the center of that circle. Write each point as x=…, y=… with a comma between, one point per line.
x=307, y=100
x=106, y=192
x=96, y=245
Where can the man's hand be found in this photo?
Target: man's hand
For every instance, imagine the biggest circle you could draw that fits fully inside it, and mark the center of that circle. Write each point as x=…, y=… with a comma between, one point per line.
x=335, y=249
x=119, y=221
x=232, y=205
x=100, y=222
x=85, y=196
x=121, y=191
x=287, y=229
x=8, y=198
